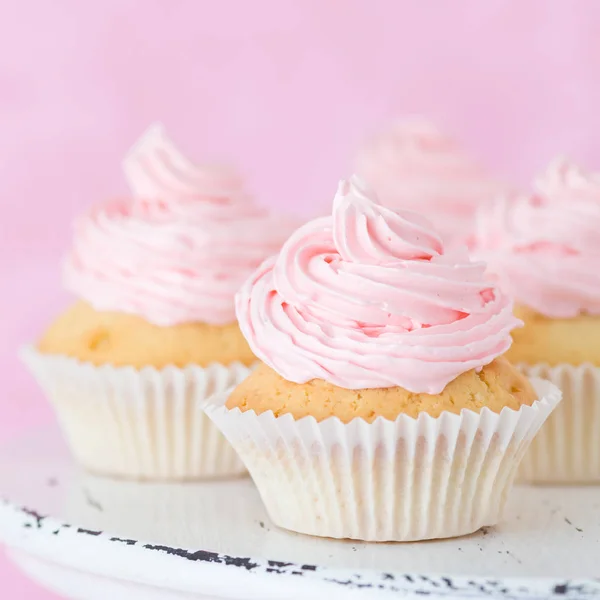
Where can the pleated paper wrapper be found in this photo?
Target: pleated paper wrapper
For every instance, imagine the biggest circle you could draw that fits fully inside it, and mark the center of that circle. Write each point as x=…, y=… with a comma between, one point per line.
x=139, y=423
x=567, y=449
x=402, y=480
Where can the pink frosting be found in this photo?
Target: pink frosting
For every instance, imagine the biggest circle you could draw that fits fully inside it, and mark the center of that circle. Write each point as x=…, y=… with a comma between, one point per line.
x=413, y=165
x=544, y=248
x=370, y=298
x=180, y=249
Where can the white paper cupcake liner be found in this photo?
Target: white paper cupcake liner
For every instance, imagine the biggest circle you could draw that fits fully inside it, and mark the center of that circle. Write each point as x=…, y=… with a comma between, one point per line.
x=402, y=480
x=141, y=424
x=567, y=448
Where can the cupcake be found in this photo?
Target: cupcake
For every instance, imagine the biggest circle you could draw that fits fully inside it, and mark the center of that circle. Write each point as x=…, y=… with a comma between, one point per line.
x=153, y=332
x=544, y=249
x=383, y=409
x=412, y=165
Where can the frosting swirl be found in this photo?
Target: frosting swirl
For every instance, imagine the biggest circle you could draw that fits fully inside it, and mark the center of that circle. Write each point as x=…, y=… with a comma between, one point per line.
x=544, y=248
x=178, y=250
x=413, y=165
x=369, y=298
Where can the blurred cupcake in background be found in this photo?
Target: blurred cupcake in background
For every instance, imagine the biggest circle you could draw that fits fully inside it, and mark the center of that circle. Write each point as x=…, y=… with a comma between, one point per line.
x=153, y=334
x=544, y=248
x=413, y=165
x=383, y=410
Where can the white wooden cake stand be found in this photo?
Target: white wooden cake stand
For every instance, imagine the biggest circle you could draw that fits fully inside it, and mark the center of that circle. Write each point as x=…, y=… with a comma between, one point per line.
x=94, y=538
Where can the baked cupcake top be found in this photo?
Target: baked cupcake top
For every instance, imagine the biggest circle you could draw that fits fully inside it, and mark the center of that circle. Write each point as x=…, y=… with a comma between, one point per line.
x=544, y=247
x=177, y=250
x=413, y=165
x=370, y=298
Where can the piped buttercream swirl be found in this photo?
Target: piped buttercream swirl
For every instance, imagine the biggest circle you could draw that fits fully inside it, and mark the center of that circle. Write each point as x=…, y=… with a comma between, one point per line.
x=180, y=248
x=413, y=165
x=544, y=247
x=370, y=298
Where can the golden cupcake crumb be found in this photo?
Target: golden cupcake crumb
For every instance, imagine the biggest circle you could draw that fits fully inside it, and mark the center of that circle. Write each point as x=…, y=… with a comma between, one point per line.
x=121, y=339
x=496, y=385
x=572, y=341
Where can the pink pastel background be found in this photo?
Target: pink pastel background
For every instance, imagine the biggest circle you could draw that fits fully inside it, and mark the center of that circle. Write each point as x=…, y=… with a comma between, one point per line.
x=286, y=88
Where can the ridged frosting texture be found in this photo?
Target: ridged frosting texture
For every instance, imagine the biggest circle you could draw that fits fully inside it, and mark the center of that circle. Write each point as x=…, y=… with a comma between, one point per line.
x=370, y=298
x=180, y=248
x=544, y=247
x=413, y=165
